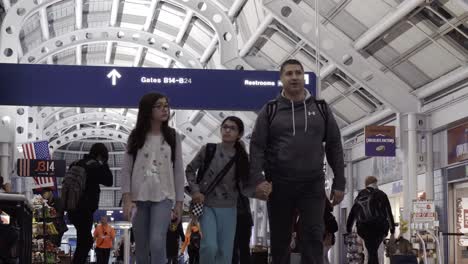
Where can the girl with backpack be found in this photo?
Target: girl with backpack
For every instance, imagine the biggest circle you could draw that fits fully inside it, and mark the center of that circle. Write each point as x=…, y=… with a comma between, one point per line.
x=217, y=187
x=153, y=178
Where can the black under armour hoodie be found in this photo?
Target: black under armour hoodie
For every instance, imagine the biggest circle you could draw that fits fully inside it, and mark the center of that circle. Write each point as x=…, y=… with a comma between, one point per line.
x=291, y=148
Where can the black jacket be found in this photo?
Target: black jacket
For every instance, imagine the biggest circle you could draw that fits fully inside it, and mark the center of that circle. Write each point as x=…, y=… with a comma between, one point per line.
x=381, y=204
x=97, y=173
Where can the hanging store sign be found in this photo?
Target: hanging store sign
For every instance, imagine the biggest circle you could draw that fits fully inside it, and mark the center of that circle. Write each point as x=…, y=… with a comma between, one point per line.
x=380, y=141
x=457, y=143
x=40, y=168
x=96, y=86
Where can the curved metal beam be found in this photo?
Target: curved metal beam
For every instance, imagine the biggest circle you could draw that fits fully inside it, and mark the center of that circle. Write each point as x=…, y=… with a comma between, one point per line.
x=114, y=34
x=84, y=118
x=88, y=133
x=208, y=11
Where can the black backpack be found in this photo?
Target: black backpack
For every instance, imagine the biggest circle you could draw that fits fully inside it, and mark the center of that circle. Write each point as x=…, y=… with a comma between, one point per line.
x=368, y=211
x=272, y=107
x=74, y=185
x=195, y=239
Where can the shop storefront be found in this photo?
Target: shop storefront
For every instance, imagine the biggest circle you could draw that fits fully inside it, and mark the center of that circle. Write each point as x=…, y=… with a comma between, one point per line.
x=457, y=179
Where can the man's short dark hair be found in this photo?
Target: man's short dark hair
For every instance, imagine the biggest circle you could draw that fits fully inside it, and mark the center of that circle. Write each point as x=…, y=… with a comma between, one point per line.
x=99, y=149
x=290, y=62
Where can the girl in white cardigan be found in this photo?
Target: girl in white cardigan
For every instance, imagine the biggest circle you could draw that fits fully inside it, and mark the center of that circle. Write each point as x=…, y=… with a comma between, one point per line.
x=153, y=178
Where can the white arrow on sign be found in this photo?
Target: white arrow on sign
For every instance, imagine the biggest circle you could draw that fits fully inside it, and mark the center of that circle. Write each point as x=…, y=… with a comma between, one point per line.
x=114, y=75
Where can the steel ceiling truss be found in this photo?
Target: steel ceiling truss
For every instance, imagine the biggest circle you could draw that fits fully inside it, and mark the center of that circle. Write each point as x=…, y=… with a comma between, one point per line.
x=81, y=37
x=10, y=47
x=390, y=90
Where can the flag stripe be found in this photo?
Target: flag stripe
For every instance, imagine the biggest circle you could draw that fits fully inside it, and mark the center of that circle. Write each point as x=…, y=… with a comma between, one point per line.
x=36, y=150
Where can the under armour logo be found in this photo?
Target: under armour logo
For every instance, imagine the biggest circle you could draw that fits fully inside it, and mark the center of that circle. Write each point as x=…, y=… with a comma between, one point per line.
x=311, y=113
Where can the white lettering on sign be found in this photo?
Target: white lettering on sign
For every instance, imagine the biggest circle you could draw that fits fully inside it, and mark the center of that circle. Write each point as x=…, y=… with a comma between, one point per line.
x=380, y=140
x=258, y=83
x=150, y=80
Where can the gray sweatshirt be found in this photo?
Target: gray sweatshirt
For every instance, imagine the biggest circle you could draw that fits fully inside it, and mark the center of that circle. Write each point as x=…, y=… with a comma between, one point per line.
x=225, y=194
x=290, y=149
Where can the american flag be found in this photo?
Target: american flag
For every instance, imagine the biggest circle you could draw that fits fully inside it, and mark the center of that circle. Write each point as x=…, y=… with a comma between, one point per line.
x=38, y=150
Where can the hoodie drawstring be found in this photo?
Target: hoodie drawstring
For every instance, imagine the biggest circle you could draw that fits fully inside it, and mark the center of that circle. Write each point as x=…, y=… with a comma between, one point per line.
x=305, y=116
x=293, y=119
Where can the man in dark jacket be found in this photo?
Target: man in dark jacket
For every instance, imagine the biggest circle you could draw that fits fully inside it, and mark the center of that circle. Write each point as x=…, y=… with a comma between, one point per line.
x=373, y=216
x=290, y=138
x=97, y=172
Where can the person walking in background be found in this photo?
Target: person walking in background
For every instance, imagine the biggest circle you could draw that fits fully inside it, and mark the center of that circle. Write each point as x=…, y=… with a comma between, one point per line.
x=97, y=172
x=104, y=235
x=175, y=234
x=373, y=216
x=193, y=237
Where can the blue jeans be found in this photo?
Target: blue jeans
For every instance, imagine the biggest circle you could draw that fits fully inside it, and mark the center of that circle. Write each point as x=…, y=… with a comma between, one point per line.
x=150, y=226
x=218, y=226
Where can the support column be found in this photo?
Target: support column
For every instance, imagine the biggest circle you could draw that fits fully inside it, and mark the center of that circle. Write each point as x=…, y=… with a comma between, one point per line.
x=429, y=185
x=127, y=246
x=410, y=181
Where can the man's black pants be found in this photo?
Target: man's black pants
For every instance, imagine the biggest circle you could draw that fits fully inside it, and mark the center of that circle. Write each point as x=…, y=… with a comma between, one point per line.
x=308, y=198
x=83, y=222
x=373, y=235
x=241, y=250
x=103, y=255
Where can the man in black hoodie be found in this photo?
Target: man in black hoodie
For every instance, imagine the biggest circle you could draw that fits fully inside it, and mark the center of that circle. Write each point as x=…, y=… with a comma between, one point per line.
x=373, y=216
x=97, y=172
x=290, y=138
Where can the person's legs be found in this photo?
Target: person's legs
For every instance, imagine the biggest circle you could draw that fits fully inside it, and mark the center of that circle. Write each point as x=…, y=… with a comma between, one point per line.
x=140, y=230
x=83, y=222
x=159, y=223
x=106, y=255
x=244, y=232
x=280, y=211
x=311, y=205
x=225, y=233
x=209, y=246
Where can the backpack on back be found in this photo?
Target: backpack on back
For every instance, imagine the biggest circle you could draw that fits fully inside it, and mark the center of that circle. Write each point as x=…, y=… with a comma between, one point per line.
x=368, y=211
x=73, y=186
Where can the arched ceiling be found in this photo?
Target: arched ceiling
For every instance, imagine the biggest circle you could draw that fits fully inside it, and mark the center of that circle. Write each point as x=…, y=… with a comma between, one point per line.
x=376, y=57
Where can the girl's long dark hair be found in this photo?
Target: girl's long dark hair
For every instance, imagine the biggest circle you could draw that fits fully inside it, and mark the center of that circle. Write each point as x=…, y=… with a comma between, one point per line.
x=137, y=137
x=242, y=163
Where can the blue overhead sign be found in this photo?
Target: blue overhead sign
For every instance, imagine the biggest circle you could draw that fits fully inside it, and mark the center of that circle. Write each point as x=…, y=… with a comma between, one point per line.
x=95, y=86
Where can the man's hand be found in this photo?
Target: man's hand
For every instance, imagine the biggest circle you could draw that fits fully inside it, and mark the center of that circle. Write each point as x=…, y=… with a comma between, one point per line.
x=198, y=197
x=263, y=190
x=336, y=197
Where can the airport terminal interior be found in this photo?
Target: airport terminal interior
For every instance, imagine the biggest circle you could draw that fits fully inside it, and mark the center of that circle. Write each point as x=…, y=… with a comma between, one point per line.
x=400, y=65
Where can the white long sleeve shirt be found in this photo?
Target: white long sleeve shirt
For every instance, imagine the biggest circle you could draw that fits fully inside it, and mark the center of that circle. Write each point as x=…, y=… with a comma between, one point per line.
x=153, y=177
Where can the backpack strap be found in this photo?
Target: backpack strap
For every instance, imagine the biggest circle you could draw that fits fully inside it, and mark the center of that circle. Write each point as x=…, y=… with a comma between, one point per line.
x=272, y=107
x=323, y=110
x=209, y=154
